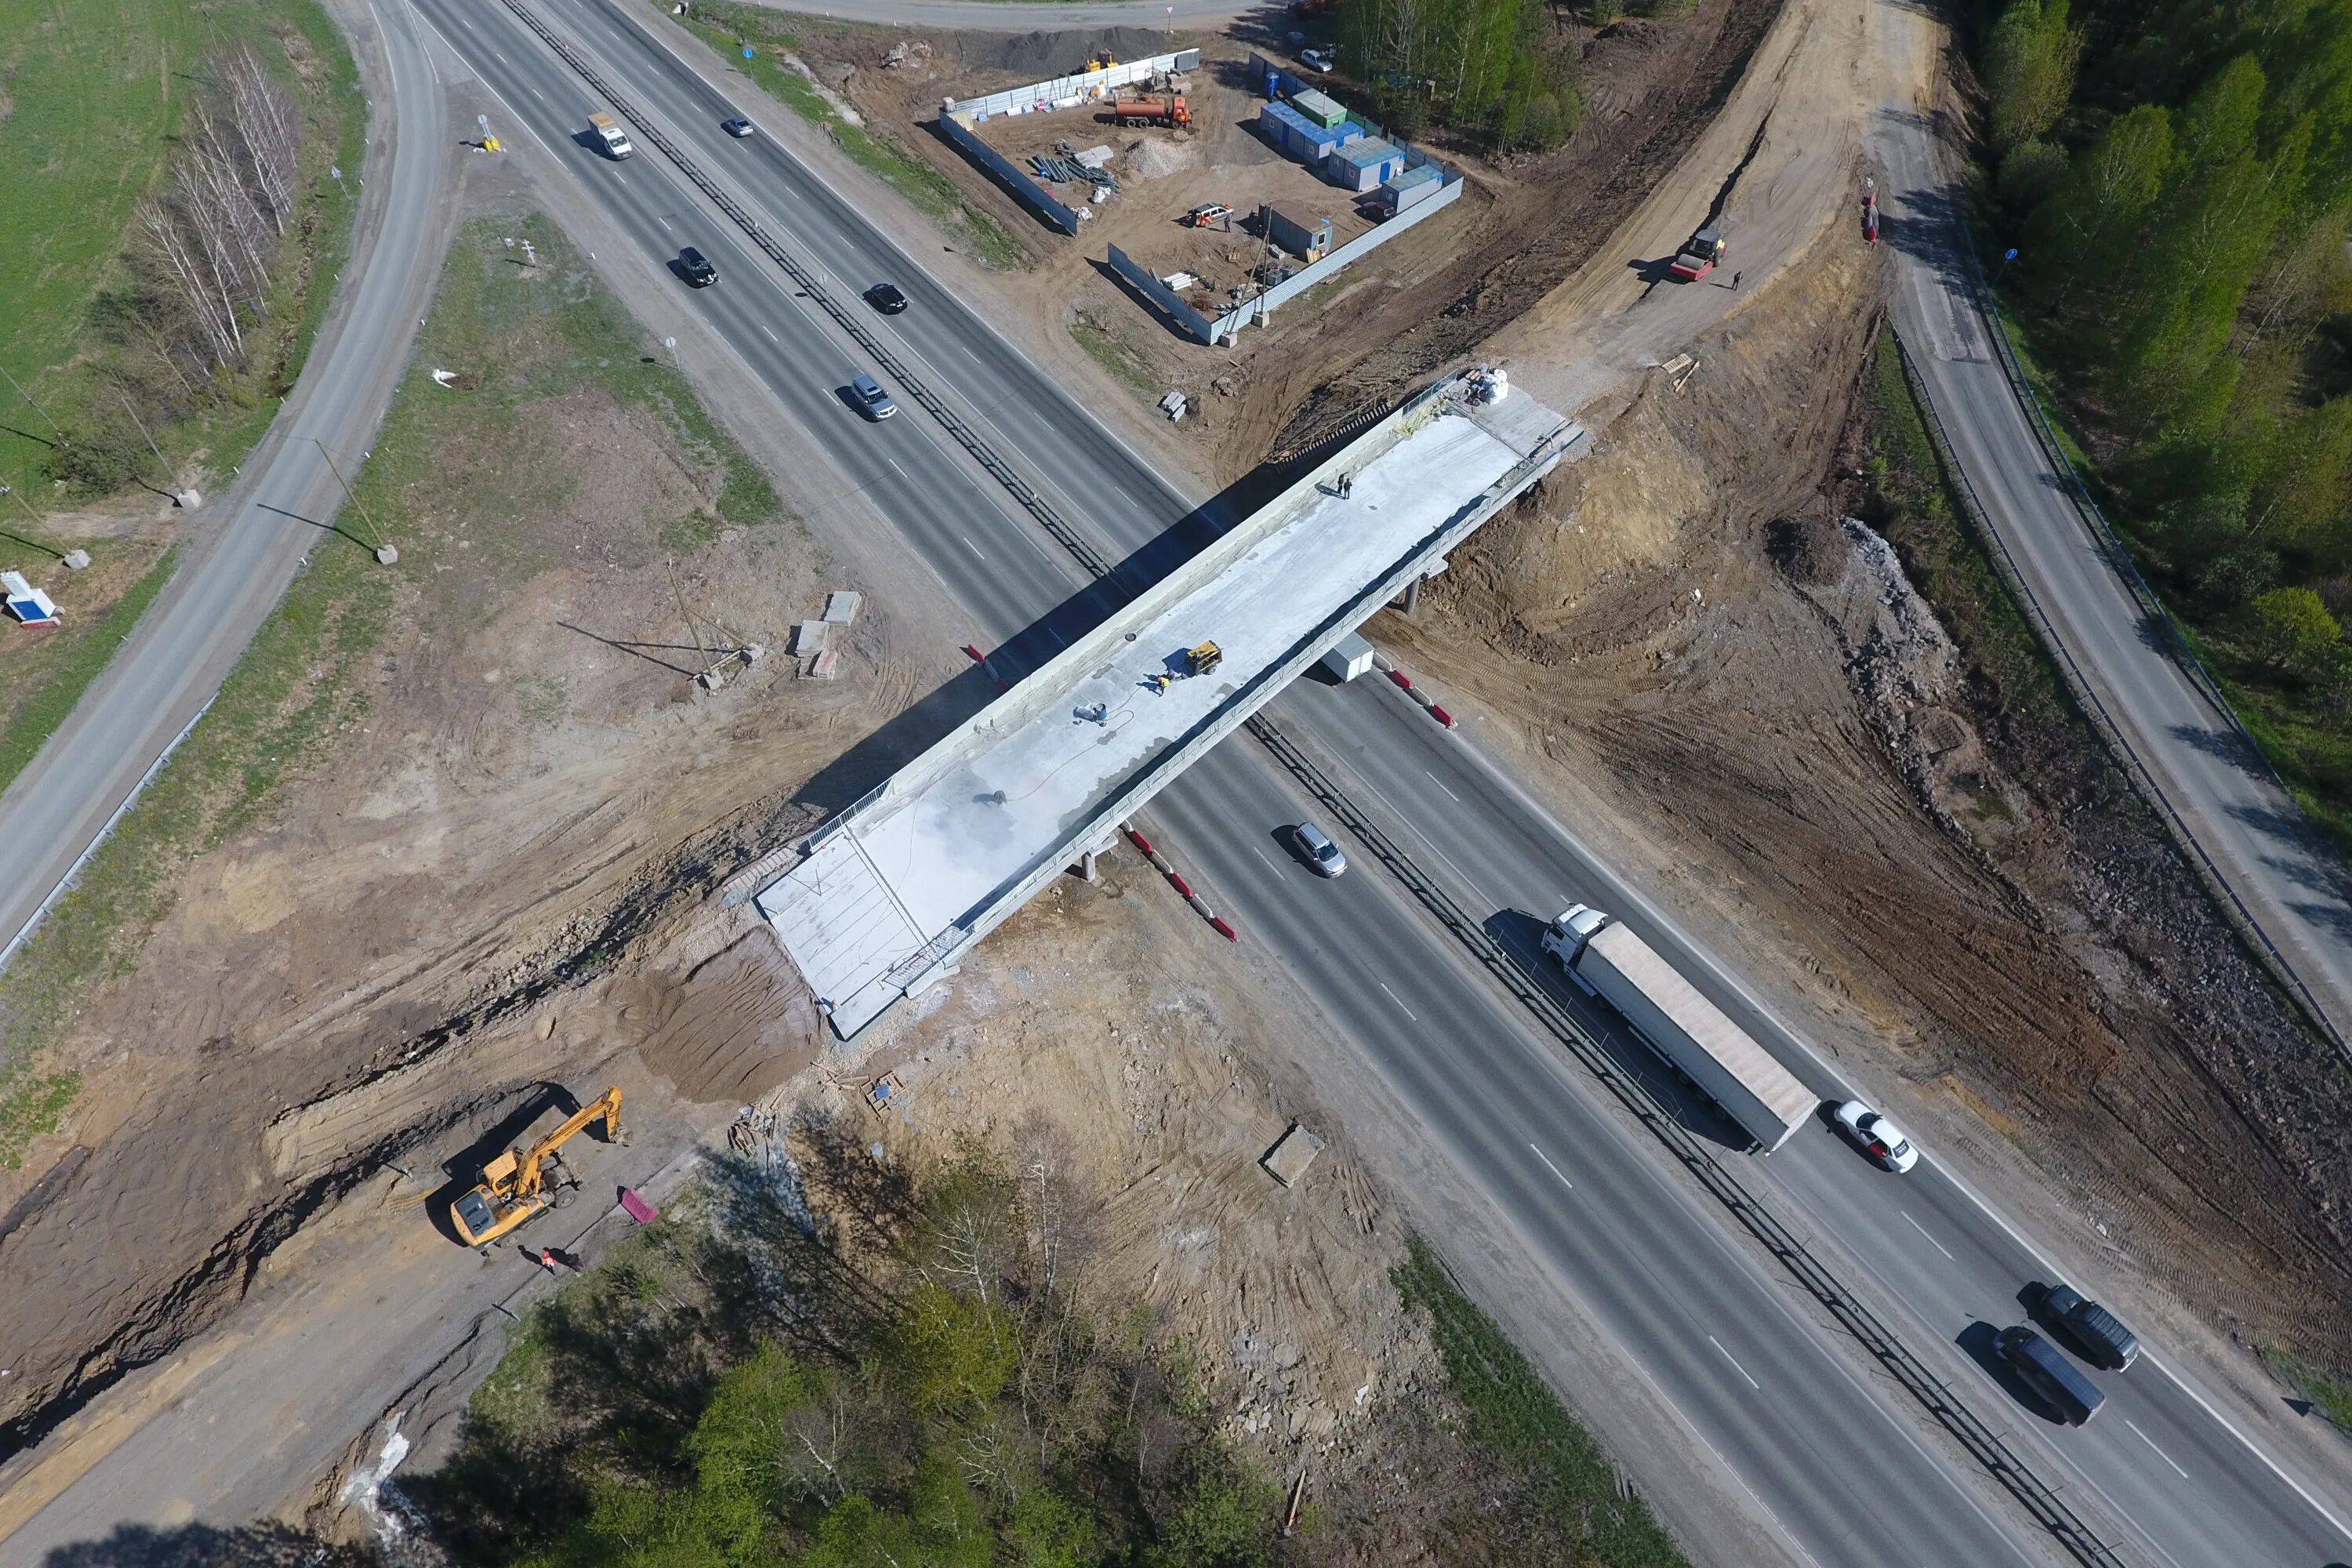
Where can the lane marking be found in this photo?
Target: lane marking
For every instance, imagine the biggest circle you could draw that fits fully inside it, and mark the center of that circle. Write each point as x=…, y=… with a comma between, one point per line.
x=664, y=222
x=2160, y=1453
x=901, y=472
x=1269, y=865
x=771, y=336
x=1441, y=784
x=537, y=94
x=968, y=544
x=968, y=353
x=1401, y=1006
x=1555, y=1171
x=1735, y=1362
x=1923, y=1231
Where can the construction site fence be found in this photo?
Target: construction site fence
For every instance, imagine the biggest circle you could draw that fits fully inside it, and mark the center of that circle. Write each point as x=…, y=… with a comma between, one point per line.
x=956, y=129
x=1159, y=293
x=1260, y=307
x=1071, y=92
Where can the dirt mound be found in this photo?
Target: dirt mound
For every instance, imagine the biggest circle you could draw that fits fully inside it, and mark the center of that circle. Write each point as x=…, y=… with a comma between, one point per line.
x=1151, y=159
x=1034, y=57
x=1760, y=709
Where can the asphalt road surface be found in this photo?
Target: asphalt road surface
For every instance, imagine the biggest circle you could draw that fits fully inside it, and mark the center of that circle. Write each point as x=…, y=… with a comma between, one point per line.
x=1830, y=1452
x=241, y=549
x=2292, y=885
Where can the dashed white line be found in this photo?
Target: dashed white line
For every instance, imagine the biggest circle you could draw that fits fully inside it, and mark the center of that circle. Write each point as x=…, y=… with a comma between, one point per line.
x=968, y=544
x=1269, y=864
x=664, y=222
x=1400, y=1006
x=536, y=93
x=771, y=336
x=901, y=472
x=1923, y=1231
x=1553, y=1169
x=1441, y=784
x=1735, y=1362
x=2160, y=1453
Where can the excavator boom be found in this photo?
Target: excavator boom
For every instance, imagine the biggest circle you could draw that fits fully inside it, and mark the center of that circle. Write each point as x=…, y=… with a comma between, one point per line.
x=514, y=1185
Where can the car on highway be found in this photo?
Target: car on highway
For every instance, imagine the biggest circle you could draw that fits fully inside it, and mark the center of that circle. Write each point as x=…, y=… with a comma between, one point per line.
x=1877, y=1137
x=1318, y=59
x=736, y=125
x=2051, y=1376
x=696, y=268
x=875, y=401
x=2090, y=1328
x=1314, y=845
x=886, y=297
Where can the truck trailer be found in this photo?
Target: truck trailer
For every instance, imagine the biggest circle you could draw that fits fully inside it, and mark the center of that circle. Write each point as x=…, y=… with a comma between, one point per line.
x=1689, y=1032
x=1168, y=109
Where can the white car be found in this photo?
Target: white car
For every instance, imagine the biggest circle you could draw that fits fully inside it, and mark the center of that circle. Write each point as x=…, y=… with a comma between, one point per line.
x=1877, y=1137
x=1318, y=59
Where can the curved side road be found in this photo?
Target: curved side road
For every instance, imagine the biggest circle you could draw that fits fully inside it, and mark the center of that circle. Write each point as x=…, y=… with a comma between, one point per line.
x=2255, y=838
x=243, y=546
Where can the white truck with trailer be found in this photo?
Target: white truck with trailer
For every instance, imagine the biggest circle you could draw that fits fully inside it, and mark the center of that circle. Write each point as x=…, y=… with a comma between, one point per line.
x=1689, y=1032
x=608, y=131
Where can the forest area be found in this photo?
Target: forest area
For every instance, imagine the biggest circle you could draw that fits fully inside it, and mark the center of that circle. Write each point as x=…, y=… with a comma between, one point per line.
x=846, y=1360
x=1501, y=72
x=2175, y=180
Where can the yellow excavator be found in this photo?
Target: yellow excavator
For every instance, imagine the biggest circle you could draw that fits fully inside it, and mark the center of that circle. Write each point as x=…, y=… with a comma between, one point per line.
x=514, y=1185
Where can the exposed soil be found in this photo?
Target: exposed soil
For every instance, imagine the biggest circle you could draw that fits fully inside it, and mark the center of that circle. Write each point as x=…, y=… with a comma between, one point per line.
x=538, y=782
x=1522, y=226
x=1747, y=700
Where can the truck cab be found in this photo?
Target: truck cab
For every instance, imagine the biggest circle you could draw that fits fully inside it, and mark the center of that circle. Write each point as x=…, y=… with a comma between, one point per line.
x=1566, y=935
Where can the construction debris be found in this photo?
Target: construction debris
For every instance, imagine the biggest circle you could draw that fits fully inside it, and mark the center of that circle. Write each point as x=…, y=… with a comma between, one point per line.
x=1174, y=407
x=810, y=637
x=841, y=607
x=1292, y=1153
x=885, y=1094
x=27, y=603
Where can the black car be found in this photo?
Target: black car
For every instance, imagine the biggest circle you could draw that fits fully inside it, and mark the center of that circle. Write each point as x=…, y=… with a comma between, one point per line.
x=886, y=298
x=2048, y=1375
x=2098, y=1334
x=738, y=126
x=697, y=268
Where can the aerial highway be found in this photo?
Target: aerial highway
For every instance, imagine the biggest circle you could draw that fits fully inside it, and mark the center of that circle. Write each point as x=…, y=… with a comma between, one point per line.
x=241, y=548
x=2171, y=1481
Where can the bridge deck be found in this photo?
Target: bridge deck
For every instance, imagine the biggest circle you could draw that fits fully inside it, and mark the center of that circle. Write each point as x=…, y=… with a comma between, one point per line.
x=944, y=845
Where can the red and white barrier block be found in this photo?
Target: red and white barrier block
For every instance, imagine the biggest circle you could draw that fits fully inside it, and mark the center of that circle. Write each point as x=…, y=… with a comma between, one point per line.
x=1222, y=927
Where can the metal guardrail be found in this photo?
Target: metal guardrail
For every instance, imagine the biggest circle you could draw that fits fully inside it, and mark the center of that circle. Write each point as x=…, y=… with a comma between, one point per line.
x=2233, y=909
x=1983, y=1444
x=966, y=436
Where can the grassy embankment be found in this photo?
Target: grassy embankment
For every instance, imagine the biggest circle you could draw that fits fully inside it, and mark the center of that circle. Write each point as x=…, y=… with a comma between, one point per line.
x=447, y=462
x=730, y=28
x=95, y=95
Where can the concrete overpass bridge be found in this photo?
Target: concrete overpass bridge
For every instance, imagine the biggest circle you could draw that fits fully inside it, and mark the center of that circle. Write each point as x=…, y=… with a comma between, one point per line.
x=890, y=893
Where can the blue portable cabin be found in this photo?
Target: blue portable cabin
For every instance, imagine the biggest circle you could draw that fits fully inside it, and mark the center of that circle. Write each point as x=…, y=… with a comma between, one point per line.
x=1298, y=137
x=1409, y=189
x=1362, y=164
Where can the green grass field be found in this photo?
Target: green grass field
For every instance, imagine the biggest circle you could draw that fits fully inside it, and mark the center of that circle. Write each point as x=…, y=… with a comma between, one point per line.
x=90, y=99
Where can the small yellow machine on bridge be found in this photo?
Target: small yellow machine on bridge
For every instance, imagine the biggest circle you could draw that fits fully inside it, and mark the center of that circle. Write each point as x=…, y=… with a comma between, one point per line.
x=514, y=1186
x=1200, y=660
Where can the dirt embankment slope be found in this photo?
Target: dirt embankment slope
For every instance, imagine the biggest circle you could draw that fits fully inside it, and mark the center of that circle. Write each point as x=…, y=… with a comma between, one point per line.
x=1750, y=704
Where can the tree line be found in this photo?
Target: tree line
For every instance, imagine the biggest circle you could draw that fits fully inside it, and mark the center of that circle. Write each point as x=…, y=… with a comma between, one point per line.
x=207, y=252
x=1496, y=69
x=2176, y=178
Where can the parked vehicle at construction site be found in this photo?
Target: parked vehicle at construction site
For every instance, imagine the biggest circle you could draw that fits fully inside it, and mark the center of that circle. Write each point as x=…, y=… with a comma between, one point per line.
x=1207, y=214
x=1698, y=259
x=1166, y=108
x=1689, y=1032
x=515, y=1186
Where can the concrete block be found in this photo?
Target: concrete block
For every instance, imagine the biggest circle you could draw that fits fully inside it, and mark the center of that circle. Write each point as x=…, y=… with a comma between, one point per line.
x=1292, y=1153
x=841, y=607
x=809, y=636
